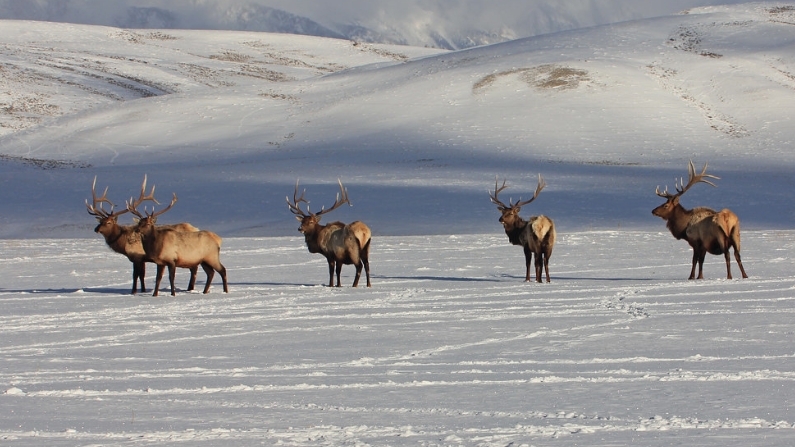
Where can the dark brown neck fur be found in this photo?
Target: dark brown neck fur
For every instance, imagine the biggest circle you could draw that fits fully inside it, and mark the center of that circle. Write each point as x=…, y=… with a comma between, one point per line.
x=516, y=233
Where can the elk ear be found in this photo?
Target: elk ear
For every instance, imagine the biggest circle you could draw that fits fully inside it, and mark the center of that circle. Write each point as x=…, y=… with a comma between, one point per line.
x=299, y=218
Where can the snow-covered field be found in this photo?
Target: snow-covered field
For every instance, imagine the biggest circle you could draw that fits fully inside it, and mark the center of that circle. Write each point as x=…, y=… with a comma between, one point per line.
x=450, y=346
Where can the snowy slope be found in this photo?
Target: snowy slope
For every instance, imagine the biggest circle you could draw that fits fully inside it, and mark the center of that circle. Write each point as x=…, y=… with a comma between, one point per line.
x=605, y=114
x=447, y=24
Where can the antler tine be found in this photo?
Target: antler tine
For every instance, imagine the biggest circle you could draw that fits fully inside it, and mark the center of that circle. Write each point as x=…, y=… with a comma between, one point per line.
x=665, y=194
x=541, y=185
x=143, y=197
x=497, y=191
x=100, y=212
x=694, y=178
x=155, y=214
x=133, y=204
x=294, y=208
x=342, y=198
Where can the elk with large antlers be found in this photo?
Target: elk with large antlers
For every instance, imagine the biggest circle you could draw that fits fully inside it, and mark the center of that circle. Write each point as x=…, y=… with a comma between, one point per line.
x=536, y=236
x=124, y=240
x=706, y=230
x=338, y=242
x=167, y=247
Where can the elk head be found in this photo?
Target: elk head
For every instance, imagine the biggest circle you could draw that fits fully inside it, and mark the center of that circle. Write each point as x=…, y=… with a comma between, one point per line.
x=666, y=210
x=108, y=220
x=510, y=213
x=147, y=219
x=309, y=220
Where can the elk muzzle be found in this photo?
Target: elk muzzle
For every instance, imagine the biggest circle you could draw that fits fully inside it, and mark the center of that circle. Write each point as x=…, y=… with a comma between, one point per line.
x=661, y=211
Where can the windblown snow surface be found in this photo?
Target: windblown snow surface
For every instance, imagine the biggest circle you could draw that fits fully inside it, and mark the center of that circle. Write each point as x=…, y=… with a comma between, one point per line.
x=450, y=346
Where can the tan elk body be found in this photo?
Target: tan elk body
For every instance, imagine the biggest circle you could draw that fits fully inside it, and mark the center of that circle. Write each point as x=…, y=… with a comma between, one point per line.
x=536, y=236
x=706, y=230
x=125, y=240
x=167, y=247
x=339, y=243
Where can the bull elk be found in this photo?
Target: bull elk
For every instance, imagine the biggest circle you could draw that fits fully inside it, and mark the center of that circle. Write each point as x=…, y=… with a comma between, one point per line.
x=123, y=239
x=536, y=236
x=705, y=229
x=170, y=248
x=338, y=242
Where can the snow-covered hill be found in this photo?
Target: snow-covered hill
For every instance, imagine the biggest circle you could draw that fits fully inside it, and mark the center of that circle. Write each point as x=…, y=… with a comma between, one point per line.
x=230, y=120
x=448, y=24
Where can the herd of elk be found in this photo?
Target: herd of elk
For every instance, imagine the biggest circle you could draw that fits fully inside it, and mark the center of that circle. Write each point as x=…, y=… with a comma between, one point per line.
x=706, y=230
x=183, y=245
x=536, y=236
x=124, y=239
x=340, y=243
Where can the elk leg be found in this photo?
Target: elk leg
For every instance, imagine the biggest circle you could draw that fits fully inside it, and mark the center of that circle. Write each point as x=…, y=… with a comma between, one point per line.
x=172, y=273
x=142, y=273
x=364, y=255
x=136, y=275
x=339, y=271
x=528, y=258
x=222, y=272
x=192, y=283
x=739, y=262
x=701, y=257
x=331, y=273
x=366, y=263
x=695, y=261
x=210, y=274
x=358, y=266
x=538, y=267
x=546, y=265
x=728, y=264
x=160, y=269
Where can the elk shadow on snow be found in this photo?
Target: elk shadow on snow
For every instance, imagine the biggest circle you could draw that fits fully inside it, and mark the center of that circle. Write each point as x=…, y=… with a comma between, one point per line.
x=438, y=278
x=70, y=291
x=280, y=284
x=605, y=279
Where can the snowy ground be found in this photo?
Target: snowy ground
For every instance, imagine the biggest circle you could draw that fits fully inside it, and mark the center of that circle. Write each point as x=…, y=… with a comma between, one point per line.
x=449, y=347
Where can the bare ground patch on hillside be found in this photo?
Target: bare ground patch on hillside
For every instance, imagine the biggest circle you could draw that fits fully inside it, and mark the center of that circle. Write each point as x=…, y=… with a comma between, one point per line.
x=542, y=77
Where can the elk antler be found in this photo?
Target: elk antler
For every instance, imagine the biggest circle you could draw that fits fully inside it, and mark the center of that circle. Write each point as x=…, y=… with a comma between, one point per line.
x=294, y=207
x=497, y=191
x=100, y=212
x=519, y=204
x=342, y=198
x=693, y=178
x=132, y=205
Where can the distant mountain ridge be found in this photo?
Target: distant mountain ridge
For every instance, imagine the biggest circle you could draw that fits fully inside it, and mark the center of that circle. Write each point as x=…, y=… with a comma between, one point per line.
x=442, y=24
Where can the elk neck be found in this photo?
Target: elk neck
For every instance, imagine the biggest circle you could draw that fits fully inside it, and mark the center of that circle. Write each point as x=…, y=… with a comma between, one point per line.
x=312, y=236
x=515, y=231
x=112, y=233
x=146, y=228
x=678, y=220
